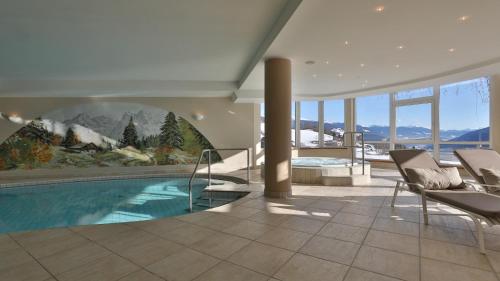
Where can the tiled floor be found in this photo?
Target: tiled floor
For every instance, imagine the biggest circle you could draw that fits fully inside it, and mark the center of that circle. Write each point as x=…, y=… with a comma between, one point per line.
x=322, y=233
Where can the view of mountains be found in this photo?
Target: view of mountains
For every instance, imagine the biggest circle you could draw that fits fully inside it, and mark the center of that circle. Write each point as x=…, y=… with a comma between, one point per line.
x=380, y=133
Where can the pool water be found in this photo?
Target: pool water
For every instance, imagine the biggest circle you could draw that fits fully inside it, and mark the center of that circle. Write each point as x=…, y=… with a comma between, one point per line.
x=321, y=162
x=95, y=202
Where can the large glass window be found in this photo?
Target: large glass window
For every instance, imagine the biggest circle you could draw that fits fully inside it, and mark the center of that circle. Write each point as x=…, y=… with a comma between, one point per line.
x=333, y=125
x=414, y=94
x=309, y=126
x=464, y=111
x=372, y=118
x=414, y=122
x=293, y=124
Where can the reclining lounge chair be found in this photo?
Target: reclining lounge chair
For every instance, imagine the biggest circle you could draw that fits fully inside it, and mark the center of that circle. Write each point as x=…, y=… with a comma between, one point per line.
x=480, y=163
x=479, y=206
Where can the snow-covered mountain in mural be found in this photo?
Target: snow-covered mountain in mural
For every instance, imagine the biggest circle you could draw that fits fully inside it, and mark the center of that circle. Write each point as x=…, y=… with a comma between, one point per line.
x=104, y=134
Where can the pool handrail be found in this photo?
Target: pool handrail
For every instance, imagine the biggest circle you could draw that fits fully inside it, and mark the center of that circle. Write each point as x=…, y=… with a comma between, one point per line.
x=353, y=145
x=209, y=150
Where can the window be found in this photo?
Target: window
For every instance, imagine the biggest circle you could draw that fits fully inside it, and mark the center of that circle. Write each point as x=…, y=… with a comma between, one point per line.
x=333, y=125
x=413, y=122
x=372, y=118
x=414, y=94
x=262, y=124
x=464, y=122
x=309, y=127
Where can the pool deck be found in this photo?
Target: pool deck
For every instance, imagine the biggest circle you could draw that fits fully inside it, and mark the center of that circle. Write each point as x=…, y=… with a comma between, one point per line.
x=321, y=233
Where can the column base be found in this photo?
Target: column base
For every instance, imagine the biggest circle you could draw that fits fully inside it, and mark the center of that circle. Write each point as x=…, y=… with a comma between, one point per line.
x=277, y=194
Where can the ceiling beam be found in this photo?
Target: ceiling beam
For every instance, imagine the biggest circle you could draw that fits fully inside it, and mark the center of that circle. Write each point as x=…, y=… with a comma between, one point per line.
x=276, y=28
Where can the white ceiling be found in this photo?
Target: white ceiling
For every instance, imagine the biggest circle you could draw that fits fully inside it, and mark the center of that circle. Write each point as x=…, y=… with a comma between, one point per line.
x=426, y=29
x=217, y=47
x=187, y=42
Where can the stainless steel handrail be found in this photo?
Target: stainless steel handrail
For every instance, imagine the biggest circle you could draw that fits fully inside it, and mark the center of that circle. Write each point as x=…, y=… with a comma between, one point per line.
x=209, y=169
x=353, y=147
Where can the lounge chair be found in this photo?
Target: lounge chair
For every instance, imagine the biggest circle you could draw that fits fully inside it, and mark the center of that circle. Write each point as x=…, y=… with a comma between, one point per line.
x=475, y=161
x=479, y=206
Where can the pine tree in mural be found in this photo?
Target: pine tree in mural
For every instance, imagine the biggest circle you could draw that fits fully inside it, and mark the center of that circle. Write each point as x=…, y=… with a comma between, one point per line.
x=130, y=137
x=205, y=144
x=170, y=133
x=70, y=139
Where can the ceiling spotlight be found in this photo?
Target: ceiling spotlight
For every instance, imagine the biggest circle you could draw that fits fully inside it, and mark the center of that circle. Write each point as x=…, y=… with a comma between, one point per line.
x=314, y=75
x=451, y=50
x=397, y=66
x=346, y=43
x=379, y=9
x=463, y=18
x=340, y=75
x=362, y=64
x=310, y=62
x=327, y=62
x=401, y=47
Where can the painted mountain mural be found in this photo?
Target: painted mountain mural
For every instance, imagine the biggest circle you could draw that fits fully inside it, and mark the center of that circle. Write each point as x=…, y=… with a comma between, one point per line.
x=104, y=135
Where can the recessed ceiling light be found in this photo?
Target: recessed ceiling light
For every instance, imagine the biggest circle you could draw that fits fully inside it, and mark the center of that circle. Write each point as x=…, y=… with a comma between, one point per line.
x=397, y=66
x=327, y=62
x=463, y=18
x=451, y=50
x=315, y=75
x=362, y=64
x=346, y=43
x=310, y=62
x=401, y=47
x=340, y=75
x=379, y=9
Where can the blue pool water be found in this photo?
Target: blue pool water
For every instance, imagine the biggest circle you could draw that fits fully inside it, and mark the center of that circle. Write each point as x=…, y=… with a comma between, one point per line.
x=94, y=202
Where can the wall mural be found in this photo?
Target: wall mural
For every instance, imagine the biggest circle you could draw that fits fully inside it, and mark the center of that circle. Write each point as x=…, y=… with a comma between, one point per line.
x=103, y=135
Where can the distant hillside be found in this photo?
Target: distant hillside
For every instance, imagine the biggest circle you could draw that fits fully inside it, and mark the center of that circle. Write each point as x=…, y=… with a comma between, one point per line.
x=477, y=135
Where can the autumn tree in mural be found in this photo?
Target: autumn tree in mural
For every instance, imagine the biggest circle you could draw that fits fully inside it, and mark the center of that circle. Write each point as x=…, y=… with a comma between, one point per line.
x=104, y=135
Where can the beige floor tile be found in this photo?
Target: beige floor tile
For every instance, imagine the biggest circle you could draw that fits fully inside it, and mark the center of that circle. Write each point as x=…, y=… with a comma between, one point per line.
x=242, y=212
x=433, y=270
x=494, y=258
x=261, y=258
x=218, y=222
x=373, y=201
x=331, y=249
x=249, y=229
x=454, y=253
x=148, y=252
x=141, y=275
x=400, y=214
x=344, y=232
x=183, y=266
x=353, y=219
x=47, y=242
x=28, y=271
x=102, y=231
x=360, y=210
x=392, y=241
x=268, y=218
x=111, y=267
x=194, y=217
x=72, y=258
x=159, y=227
x=333, y=205
x=389, y=263
x=319, y=214
x=301, y=267
x=303, y=224
x=447, y=221
x=285, y=238
x=220, y=245
x=396, y=226
x=228, y=271
x=189, y=234
x=362, y=275
x=452, y=235
x=126, y=239
x=13, y=257
x=7, y=243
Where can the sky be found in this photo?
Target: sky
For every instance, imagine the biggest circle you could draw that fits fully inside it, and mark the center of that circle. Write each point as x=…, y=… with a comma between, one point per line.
x=463, y=105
